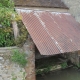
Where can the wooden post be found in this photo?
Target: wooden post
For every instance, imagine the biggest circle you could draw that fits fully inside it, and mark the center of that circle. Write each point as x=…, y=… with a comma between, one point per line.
x=29, y=48
x=15, y=27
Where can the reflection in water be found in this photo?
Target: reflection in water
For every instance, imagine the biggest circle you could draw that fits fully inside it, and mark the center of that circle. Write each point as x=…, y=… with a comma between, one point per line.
x=67, y=74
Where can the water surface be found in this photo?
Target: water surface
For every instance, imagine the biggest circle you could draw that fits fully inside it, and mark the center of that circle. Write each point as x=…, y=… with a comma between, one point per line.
x=67, y=74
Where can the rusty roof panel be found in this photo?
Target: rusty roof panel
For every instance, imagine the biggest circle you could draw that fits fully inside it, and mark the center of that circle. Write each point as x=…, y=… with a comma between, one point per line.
x=52, y=32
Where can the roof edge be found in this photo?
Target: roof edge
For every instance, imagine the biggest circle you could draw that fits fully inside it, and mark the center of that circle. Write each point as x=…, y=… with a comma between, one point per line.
x=44, y=9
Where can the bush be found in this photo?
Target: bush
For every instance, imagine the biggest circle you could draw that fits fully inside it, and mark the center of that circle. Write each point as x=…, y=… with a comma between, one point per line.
x=6, y=3
x=6, y=37
x=6, y=32
x=6, y=10
x=5, y=17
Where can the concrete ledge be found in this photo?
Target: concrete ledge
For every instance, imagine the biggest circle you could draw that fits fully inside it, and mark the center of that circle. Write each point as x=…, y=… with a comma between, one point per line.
x=7, y=49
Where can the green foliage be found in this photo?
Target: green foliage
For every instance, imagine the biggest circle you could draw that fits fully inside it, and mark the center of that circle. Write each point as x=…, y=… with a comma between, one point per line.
x=64, y=65
x=19, y=57
x=14, y=78
x=6, y=32
x=6, y=10
x=6, y=37
x=5, y=17
x=6, y=3
x=23, y=34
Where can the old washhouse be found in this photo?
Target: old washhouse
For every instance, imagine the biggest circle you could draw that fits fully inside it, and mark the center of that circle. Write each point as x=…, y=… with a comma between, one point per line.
x=52, y=28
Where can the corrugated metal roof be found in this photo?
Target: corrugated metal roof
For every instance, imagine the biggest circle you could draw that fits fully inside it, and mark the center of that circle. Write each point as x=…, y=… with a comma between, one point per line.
x=52, y=32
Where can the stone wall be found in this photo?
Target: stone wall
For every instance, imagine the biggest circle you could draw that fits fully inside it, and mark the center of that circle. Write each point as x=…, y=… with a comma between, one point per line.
x=73, y=57
x=12, y=71
x=74, y=8
x=29, y=49
x=8, y=69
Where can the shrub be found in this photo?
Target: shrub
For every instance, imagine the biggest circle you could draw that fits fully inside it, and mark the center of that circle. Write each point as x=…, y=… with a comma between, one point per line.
x=5, y=17
x=6, y=10
x=6, y=3
x=6, y=31
x=6, y=37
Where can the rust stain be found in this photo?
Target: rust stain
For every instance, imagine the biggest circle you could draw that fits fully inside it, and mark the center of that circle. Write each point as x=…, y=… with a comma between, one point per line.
x=52, y=32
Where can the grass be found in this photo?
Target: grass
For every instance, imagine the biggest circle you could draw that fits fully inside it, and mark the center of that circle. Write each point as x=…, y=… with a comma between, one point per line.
x=19, y=58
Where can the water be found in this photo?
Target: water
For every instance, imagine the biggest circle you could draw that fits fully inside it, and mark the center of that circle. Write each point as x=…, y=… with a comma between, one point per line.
x=67, y=74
